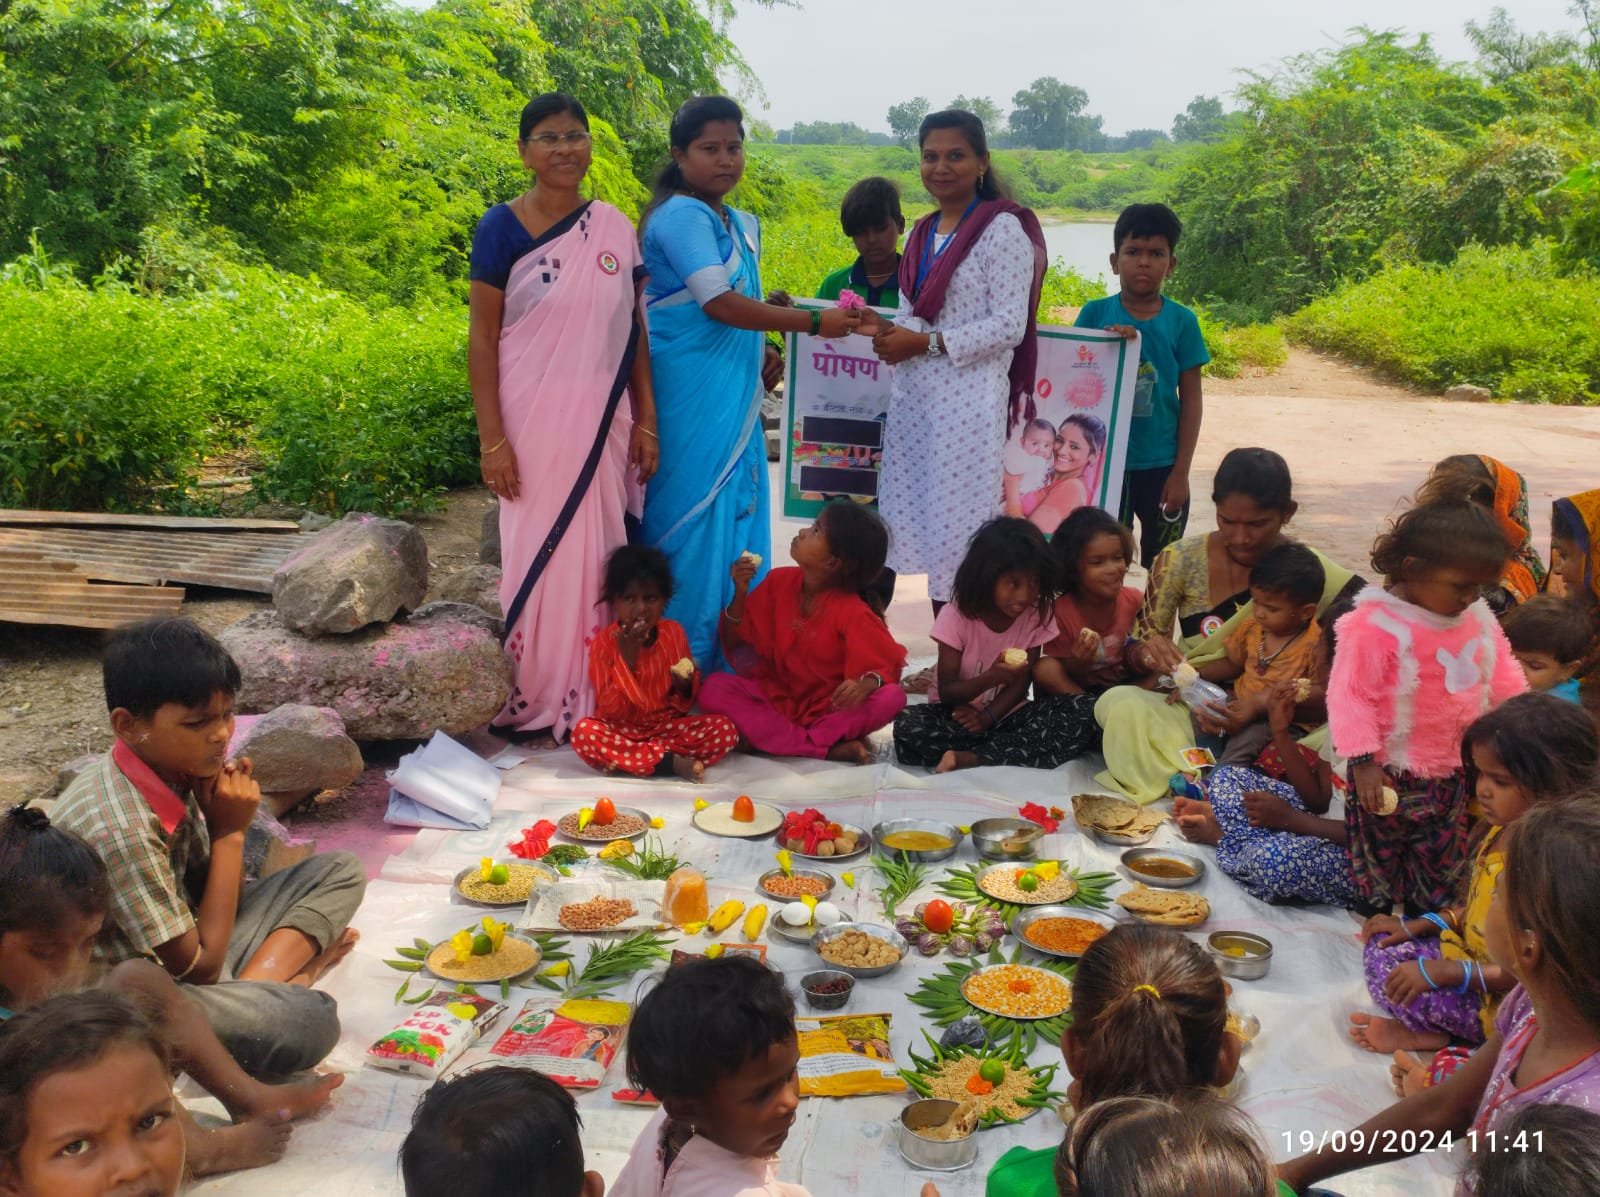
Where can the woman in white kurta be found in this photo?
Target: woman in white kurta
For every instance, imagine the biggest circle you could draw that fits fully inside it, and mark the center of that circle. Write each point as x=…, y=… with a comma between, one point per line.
x=963, y=346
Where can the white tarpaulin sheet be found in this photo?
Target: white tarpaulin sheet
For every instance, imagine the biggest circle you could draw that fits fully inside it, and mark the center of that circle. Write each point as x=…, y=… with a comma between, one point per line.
x=1301, y=1075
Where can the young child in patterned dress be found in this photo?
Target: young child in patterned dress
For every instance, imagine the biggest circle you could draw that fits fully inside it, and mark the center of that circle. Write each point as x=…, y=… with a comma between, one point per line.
x=989, y=637
x=1545, y=1045
x=645, y=681
x=1432, y=975
x=1419, y=659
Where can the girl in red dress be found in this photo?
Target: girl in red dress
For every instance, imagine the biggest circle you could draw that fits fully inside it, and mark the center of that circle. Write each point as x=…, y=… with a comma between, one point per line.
x=818, y=670
x=645, y=681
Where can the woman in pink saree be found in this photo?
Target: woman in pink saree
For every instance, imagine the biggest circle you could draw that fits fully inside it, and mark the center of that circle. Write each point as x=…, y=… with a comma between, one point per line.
x=560, y=374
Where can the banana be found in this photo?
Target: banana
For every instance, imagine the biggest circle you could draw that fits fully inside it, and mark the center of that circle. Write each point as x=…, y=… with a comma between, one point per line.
x=722, y=917
x=754, y=921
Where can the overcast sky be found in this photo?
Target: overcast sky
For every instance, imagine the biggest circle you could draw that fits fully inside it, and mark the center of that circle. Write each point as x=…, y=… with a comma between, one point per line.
x=1141, y=62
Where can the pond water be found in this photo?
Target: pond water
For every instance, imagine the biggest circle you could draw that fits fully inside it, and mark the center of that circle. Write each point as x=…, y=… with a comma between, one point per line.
x=1083, y=245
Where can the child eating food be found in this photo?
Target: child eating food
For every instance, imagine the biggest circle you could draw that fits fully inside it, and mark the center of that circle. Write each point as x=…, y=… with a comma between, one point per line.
x=818, y=670
x=645, y=681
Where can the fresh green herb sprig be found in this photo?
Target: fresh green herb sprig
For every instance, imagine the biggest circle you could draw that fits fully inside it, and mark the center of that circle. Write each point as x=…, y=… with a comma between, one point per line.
x=902, y=878
x=562, y=856
x=611, y=964
x=648, y=862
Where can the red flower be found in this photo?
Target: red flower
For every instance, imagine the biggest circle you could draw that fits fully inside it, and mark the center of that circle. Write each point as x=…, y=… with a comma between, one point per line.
x=1048, y=819
x=535, y=841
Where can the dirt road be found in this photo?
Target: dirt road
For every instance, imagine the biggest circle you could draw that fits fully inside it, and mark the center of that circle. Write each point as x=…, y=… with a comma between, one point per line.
x=1357, y=446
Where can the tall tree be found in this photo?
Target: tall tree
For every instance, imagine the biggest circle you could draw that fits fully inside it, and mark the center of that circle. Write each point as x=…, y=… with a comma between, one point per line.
x=1202, y=120
x=1046, y=114
x=982, y=107
x=906, y=118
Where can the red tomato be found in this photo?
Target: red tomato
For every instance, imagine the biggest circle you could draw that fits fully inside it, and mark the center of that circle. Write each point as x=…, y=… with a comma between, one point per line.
x=938, y=917
x=744, y=811
x=605, y=812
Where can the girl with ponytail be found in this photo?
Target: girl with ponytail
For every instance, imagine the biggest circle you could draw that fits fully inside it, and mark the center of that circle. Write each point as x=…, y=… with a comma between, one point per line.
x=1149, y=1018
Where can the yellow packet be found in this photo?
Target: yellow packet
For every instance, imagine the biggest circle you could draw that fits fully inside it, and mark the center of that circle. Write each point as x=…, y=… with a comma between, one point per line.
x=846, y=1055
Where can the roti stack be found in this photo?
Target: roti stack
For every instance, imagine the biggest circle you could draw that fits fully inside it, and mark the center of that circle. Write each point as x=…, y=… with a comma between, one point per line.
x=1115, y=816
x=1165, y=907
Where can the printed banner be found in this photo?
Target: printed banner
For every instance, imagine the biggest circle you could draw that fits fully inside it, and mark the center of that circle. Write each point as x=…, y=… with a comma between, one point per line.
x=1071, y=453
x=836, y=399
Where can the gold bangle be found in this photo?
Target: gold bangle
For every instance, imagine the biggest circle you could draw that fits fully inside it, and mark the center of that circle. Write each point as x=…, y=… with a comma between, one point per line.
x=494, y=448
x=649, y=432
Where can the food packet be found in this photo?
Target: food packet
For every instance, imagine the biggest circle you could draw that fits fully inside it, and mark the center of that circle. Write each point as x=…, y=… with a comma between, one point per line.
x=435, y=1034
x=572, y=1043
x=846, y=1055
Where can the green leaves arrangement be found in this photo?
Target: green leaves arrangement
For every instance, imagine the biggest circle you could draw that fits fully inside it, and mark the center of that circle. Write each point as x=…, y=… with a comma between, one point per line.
x=648, y=862
x=962, y=884
x=562, y=856
x=611, y=964
x=940, y=996
x=928, y=1069
x=411, y=961
x=607, y=967
x=902, y=878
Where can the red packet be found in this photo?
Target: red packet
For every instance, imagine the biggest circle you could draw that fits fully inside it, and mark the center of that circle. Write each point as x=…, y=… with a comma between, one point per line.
x=572, y=1043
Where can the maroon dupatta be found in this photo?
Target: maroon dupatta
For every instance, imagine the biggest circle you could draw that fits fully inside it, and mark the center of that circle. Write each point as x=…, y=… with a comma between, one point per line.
x=928, y=301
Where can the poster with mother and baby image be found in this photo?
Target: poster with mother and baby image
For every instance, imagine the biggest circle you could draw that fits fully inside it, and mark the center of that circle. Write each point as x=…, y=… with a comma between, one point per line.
x=1068, y=455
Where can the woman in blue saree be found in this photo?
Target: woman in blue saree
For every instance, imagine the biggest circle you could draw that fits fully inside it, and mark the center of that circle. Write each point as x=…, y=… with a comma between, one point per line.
x=711, y=503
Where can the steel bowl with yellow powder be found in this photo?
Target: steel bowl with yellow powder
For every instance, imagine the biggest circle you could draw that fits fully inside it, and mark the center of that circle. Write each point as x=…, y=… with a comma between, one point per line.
x=516, y=955
x=521, y=879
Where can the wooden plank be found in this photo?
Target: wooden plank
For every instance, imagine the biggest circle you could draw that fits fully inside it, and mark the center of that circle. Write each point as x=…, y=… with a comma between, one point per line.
x=84, y=605
x=172, y=523
x=238, y=561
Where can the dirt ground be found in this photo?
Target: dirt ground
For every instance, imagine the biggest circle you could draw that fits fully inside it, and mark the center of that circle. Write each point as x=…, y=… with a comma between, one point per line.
x=52, y=707
x=1357, y=444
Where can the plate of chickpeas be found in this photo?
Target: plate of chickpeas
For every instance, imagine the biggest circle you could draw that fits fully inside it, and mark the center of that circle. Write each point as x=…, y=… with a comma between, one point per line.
x=861, y=949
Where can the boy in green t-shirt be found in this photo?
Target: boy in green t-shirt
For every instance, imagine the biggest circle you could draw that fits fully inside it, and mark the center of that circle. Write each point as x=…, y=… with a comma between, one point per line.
x=1167, y=403
x=871, y=216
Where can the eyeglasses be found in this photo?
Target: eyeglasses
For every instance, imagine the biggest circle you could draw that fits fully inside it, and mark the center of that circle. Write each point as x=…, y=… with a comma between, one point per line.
x=549, y=141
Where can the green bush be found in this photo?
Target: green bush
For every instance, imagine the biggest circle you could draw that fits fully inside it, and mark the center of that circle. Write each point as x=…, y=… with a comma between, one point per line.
x=113, y=398
x=1237, y=347
x=1501, y=318
x=376, y=415
x=101, y=407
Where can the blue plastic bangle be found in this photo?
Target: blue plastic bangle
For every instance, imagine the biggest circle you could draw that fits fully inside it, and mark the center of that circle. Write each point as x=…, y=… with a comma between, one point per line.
x=1438, y=920
x=1466, y=981
x=1422, y=968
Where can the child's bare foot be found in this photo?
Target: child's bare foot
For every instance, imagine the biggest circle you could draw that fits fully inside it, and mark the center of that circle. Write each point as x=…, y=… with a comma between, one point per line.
x=953, y=760
x=853, y=752
x=296, y=1099
x=254, y=1143
x=1197, y=821
x=1385, y=1035
x=324, y=960
x=1409, y=1074
x=688, y=768
x=919, y=682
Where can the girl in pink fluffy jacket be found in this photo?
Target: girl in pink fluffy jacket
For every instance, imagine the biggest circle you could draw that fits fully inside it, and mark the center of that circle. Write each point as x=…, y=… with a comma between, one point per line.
x=1418, y=661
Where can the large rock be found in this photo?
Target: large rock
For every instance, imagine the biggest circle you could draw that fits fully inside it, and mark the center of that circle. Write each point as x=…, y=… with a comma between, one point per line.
x=477, y=585
x=489, y=536
x=441, y=669
x=297, y=750
x=360, y=571
x=1467, y=393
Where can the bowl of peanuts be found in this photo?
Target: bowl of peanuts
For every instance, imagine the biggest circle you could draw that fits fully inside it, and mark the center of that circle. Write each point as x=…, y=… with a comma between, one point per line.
x=796, y=884
x=860, y=949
